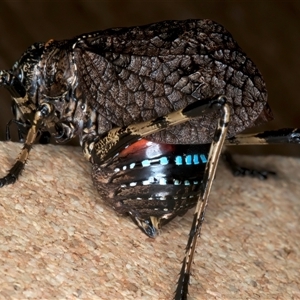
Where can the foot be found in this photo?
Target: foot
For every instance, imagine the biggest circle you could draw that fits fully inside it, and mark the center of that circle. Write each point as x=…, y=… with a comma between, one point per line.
x=238, y=170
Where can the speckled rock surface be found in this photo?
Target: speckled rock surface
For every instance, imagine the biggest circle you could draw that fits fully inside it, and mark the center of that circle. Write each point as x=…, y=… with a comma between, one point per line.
x=56, y=242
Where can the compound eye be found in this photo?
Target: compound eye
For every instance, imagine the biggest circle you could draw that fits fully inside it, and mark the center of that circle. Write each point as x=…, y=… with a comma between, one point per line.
x=21, y=75
x=18, y=73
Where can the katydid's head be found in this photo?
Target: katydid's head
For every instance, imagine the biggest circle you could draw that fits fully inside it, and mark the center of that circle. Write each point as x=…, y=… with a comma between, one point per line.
x=21, y=81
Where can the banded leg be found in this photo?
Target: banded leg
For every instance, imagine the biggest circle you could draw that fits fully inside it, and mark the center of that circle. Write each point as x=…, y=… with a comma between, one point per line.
x=280, y=136
x=18, y=166
x=106, y=148
x=209, y=174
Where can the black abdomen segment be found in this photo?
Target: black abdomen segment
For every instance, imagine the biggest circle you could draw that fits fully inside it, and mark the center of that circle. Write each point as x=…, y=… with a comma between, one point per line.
x=151, y=179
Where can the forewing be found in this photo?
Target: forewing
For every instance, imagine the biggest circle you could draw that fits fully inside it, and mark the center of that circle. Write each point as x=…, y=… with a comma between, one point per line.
x=129, y=75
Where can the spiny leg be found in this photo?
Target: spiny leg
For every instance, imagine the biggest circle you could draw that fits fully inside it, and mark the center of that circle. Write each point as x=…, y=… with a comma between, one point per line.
x=287, y=135
x=281, y=136
x=18, y=166
x=107, y=147
x=209, y=174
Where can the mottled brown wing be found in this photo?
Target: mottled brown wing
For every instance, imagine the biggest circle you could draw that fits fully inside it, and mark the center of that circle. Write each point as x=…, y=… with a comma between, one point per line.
x=133, y=74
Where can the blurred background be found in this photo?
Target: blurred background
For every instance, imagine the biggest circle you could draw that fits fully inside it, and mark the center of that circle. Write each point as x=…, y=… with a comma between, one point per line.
x=268, y=31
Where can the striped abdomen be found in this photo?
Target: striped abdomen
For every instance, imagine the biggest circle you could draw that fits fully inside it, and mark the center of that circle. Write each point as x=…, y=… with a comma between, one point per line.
x=153, y=180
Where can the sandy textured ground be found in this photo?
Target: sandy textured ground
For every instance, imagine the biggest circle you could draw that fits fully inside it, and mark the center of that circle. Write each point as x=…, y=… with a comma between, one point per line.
x=56, y=242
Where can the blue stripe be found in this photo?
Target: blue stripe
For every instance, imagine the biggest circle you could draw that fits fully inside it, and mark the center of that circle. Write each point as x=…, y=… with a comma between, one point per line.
x=188, y=159
x=203, y=158
x=176, y=182
x=146, y=163
x=196, y=159
x=164, y=160
x=178, y=160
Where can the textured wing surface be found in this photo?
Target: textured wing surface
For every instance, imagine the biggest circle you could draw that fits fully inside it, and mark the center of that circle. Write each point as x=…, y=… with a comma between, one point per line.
x=134, y=74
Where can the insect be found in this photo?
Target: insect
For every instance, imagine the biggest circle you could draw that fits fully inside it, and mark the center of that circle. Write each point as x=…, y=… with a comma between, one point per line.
x=153, y=107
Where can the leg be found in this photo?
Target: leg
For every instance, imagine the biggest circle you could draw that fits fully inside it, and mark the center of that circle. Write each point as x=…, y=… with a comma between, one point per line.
x=17, y=168
x=209, y=174
x=117, y=139
x=22, y=127
x=238, y=170
x=280, y=136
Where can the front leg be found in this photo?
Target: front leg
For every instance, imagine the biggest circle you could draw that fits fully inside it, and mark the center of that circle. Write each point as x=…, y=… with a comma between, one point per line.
x=13, y=174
